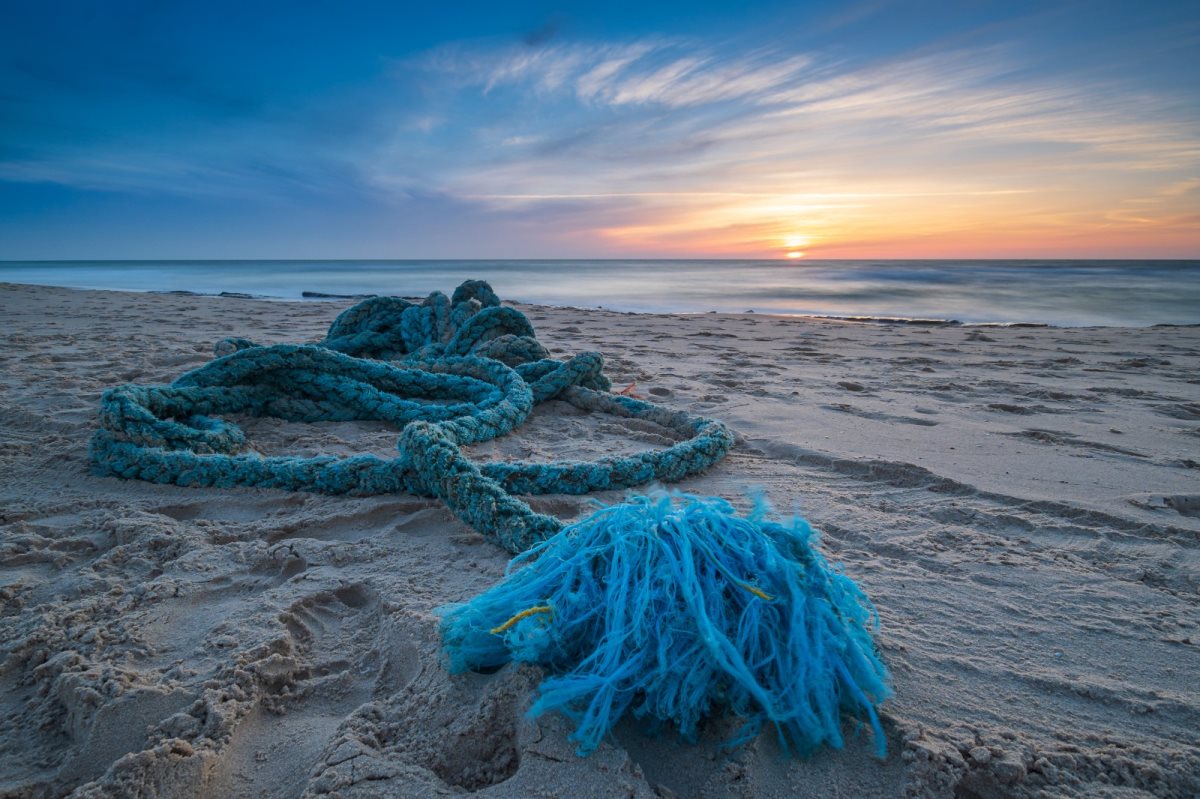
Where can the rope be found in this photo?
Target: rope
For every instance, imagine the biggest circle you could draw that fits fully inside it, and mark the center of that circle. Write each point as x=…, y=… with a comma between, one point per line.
x=448, y=371
x=672, y=606
x=668, y=607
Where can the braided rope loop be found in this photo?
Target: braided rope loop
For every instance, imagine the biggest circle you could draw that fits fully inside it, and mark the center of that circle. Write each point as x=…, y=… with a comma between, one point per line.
x=447, y=372
x=662, y=606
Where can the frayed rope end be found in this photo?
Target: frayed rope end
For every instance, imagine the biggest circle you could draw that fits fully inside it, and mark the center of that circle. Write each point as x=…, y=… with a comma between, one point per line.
x=673, y=606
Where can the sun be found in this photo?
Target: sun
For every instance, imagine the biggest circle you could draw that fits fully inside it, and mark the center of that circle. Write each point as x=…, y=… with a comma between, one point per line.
x=793, y=245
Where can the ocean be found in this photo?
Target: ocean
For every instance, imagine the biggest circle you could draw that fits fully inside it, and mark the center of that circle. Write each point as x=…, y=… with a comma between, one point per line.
x=1060, y=293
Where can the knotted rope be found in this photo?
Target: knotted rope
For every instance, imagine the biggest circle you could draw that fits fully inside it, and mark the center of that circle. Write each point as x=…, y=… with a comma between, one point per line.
x=466, y=370
x=659, y=608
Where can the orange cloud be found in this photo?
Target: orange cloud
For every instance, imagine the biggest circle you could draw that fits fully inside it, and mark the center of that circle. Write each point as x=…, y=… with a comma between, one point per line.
x=915, y=224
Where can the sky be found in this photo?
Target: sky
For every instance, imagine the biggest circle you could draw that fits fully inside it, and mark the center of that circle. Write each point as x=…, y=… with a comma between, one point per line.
x=859, y=129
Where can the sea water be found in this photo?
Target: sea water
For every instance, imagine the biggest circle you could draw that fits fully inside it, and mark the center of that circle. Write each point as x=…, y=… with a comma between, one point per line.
x=1065, y=293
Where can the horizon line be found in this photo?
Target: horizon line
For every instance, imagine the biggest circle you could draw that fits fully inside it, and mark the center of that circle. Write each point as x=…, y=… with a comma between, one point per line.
x=787, y=261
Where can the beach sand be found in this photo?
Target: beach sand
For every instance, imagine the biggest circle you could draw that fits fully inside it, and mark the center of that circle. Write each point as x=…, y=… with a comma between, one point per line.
x=1021, y=504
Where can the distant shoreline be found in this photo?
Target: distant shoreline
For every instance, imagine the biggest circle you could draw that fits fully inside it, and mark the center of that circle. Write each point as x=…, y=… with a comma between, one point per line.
x=315, y=296
x=1113, y=293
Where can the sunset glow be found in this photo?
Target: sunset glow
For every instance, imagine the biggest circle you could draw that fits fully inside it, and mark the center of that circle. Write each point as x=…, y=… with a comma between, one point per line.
x=1000, y=132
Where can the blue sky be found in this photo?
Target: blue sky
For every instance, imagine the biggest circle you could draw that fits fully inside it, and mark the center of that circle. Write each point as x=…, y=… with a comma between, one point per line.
x=491, y=130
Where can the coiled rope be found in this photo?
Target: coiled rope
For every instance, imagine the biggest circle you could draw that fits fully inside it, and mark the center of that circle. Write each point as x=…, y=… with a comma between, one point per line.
x=448, y=371
x=667, y=607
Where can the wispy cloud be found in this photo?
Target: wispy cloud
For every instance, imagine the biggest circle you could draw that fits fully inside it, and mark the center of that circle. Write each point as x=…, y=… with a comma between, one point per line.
x=724, y=150
x=670, y=73
x=980, y=142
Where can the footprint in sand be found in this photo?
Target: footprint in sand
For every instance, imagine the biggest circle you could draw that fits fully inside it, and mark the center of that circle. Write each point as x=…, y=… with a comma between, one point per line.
x=312, y=683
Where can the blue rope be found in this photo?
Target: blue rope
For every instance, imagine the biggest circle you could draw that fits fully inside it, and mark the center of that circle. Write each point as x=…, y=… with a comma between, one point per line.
x=465, y=370
x=671, y=605
x=667, y=609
